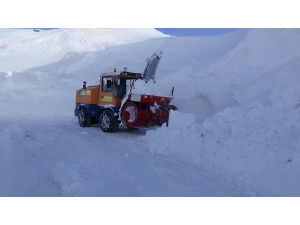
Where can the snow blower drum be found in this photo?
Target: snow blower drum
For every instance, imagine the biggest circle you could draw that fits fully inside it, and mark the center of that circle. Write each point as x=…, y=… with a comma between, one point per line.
x=146, y=110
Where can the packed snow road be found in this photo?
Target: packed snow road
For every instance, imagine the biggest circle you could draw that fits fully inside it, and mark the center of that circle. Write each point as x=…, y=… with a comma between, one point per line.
x=56, y=157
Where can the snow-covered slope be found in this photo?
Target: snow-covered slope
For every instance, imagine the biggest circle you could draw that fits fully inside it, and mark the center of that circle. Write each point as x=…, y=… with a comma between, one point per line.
x=237, y=129
x=23, y=48
x=255, y=131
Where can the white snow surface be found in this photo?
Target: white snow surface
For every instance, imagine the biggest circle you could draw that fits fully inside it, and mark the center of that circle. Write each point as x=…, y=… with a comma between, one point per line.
x=237, y=131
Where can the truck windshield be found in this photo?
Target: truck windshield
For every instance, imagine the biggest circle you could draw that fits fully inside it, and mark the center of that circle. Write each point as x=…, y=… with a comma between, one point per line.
x=121, y=86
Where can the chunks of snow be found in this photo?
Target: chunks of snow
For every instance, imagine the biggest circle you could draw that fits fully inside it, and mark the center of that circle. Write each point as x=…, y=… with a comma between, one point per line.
x=176, y=138
x=131, y=111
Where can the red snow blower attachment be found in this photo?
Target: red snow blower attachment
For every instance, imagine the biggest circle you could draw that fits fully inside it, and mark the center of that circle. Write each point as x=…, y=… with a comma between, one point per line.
x=142, y=110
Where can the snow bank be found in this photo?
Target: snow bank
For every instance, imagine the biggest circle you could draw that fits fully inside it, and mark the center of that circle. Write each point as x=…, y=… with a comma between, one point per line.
x=254, y=135
x=251, y=69
x=20, y=46
x=177, y=138
x=257, y=145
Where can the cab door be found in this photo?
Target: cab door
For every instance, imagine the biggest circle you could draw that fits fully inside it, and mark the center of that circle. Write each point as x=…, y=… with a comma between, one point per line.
x=106, y=91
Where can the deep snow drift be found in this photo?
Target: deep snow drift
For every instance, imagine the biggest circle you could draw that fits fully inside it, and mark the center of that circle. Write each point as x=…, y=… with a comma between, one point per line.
x=19, y=47
x=236, y=132
x=254, y=133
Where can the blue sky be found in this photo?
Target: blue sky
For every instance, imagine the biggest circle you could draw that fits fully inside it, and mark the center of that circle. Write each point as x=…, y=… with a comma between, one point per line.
x=194, y=31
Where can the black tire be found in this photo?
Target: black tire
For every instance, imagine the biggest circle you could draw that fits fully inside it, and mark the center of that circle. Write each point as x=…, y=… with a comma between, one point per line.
x=83, y=118
x=107, y=121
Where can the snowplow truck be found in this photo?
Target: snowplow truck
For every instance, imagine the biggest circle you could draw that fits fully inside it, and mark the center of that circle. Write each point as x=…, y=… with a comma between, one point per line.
x=112, y=103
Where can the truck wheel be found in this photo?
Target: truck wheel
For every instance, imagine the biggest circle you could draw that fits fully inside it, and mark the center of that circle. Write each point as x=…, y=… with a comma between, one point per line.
x=107, y=121
x=83, y=118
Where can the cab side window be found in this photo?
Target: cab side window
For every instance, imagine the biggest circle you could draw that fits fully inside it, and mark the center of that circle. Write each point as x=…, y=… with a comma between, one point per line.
x=107, y=84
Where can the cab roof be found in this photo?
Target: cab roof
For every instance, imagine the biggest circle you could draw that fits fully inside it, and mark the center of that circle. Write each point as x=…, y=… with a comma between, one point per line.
x=124, y=74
